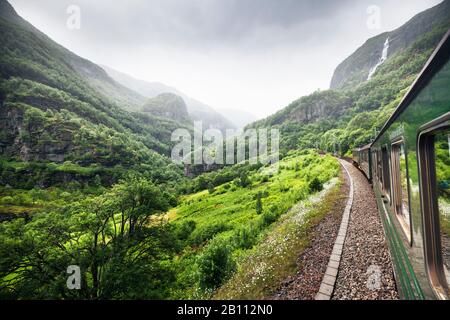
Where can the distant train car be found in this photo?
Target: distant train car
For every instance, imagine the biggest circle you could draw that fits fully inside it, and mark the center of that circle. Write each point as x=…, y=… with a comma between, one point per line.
x=410, y=170
x=362, y=158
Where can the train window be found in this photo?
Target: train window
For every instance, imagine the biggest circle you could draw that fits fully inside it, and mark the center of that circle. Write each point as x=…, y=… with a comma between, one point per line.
x=385, y=170
x=380, y=176
x=435, y=172
x=442, y=170
x=400, y=185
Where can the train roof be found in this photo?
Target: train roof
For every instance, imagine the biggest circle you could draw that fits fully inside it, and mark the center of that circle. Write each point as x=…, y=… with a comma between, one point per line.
x=439, y=57
x=367, y=146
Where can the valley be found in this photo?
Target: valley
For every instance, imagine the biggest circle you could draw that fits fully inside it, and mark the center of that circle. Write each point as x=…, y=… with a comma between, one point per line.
x=87, y=178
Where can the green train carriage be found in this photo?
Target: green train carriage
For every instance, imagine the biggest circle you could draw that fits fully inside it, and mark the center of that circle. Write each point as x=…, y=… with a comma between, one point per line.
x=409, y=166
x=362, y=158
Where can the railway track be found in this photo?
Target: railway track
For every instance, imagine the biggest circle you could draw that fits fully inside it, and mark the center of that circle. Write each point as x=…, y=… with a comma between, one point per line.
x=364, y=270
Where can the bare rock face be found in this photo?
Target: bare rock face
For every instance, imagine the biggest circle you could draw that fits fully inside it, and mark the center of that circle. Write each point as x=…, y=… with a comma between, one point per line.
x=355, y=69
x=308, y=109
x=10, y=125
x=30, y=140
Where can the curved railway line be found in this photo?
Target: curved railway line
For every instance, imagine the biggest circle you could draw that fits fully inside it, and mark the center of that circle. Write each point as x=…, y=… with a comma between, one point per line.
x=394, y=242
x=364, y=250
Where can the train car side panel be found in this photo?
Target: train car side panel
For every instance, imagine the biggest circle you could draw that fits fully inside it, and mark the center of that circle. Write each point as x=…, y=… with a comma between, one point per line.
x=399, y=197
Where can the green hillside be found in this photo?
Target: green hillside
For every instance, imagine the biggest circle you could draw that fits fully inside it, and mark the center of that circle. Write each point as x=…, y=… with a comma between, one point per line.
x=340, y=119
x=54, y=113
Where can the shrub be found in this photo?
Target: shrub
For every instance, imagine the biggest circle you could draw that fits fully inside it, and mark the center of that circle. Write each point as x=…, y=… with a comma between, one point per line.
x=185, y=229
x=200, y=235
x=215, y=264
x=7, y=200
x=269, y=217
x=245, y=237
x=283, y=187
x=202, y=183
x=259, y=206
x=244, y=180
x=315, y=185
x=211, y=188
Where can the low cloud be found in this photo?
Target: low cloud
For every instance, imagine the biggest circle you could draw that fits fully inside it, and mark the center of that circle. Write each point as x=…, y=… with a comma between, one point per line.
x=253, y=54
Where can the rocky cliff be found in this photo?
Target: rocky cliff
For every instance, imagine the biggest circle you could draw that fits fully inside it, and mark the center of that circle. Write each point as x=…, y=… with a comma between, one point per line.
x=356, y=68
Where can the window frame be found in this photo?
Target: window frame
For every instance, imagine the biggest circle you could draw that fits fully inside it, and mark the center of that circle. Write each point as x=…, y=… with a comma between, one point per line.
x=406, y=225
x=429, y=204
x=386, y=171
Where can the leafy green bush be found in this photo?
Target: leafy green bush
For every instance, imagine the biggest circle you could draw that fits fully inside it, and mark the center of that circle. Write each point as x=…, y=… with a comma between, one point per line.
x=215, y=264
x=200, y=235
x=185, y=229
x=315, y=185
x=244, y=180
x=211, y=188
x=7, y=200
x=258, y=205
x=269, y=217
x=245, y=237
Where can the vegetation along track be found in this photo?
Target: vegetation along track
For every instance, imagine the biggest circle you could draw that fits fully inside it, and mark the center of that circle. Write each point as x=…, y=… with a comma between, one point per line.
x=312, y=263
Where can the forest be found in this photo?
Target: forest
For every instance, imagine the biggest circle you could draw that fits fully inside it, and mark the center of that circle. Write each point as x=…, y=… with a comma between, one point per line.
x=136, y=240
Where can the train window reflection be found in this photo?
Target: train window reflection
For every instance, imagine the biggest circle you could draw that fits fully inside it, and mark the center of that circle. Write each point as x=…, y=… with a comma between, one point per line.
x=400, y=187
x=442, y=168
x=385, y=170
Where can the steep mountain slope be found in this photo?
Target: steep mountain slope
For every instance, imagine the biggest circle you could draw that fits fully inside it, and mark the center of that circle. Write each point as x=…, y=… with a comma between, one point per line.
x=167, y=105
x=55, y=108
x=89, y=71
x=339, y=119
x=198, y=111
x=357, y=67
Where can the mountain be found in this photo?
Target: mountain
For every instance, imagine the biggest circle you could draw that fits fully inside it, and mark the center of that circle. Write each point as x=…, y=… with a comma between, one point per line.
x=358, y=66
x=167, y=105
x=62, y=117
x=357, y=106
x=197, y=110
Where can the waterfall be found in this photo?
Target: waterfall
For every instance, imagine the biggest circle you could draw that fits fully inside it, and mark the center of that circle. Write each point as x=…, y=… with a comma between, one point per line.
x=382, y=59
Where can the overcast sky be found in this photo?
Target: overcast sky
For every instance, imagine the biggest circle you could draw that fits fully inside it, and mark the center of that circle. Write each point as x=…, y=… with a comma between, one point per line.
x=257, y=55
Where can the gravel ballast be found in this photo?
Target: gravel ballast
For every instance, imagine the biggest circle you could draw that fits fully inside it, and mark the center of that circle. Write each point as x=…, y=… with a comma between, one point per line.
x=365, y=271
